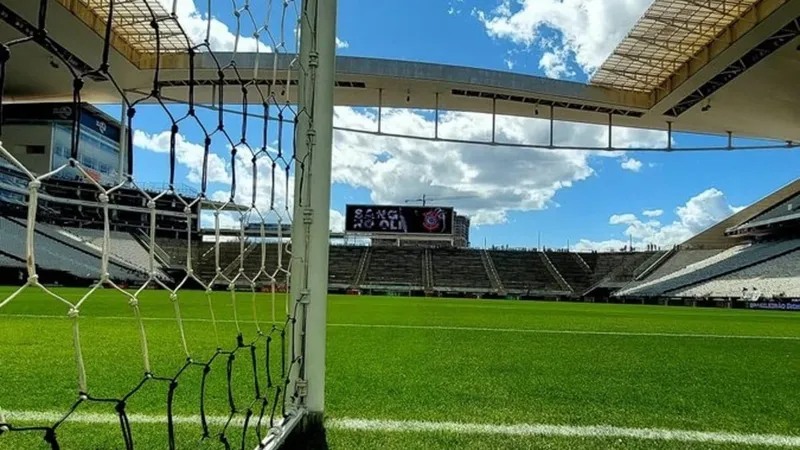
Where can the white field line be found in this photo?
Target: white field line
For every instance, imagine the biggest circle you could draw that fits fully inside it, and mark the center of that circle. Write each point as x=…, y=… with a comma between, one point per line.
x=590, y=431
x=450, y=328
x=530, y=430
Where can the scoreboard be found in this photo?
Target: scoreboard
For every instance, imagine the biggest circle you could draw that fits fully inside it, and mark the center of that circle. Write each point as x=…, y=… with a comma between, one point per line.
x=394, y=219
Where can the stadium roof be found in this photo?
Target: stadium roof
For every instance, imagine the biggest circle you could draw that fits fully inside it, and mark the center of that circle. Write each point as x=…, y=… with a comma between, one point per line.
x=133, y=32
x=671, y=33
x=682, y=56
x=718, y=235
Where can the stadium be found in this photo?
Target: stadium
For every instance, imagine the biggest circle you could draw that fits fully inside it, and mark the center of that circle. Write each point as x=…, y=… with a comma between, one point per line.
x=165, y=315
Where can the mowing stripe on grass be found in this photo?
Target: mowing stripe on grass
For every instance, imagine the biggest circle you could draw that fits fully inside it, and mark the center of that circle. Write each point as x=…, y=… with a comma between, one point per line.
x=413, y=426
x=449, y=328
x=586, y=332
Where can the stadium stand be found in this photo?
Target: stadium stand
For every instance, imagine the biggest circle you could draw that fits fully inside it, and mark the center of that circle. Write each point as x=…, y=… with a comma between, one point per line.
x=427, y=270
x=491, y=270
x=590, y=259
x=646, y=264
x=394, y=266
x=606, y=263
x=631, y=265
x=10, y=263
x=54, y=253
x=682, y=259
x=574, y=273
x=123, y=246
x=456, y=269
x=177, y=250
x=343, y=264
x=523, y=271
x=207, y=261
x=252, y=261
x=679, y=260
x=723, y=263
x=775, y=278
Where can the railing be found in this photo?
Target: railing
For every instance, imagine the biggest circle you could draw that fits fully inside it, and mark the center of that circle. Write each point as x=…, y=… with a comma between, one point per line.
x=554, y=272
x=491, y=271
x=362, y=268
x=144, y=240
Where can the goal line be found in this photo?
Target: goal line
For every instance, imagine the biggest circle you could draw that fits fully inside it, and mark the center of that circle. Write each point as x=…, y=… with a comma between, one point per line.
x=415, y=426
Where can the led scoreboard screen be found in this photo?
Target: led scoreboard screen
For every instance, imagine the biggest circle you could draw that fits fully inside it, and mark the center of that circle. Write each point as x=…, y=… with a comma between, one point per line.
x=391, y=219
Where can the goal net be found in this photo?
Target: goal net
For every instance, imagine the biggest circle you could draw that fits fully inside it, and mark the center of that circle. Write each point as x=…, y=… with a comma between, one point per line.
x=142, y=312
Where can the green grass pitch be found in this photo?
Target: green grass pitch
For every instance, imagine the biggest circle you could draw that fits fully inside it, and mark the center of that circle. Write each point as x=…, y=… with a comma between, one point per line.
x=409, y=359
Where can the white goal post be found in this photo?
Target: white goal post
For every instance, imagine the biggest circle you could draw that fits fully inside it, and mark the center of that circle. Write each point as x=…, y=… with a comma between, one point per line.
x=310, y=235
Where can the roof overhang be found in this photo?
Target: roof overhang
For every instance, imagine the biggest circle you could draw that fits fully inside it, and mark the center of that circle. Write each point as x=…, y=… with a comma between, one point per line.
x=760, y=102
x=718, y=236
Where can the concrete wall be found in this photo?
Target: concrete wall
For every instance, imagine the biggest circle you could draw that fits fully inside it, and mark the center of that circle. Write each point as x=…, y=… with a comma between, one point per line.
x=17, y=137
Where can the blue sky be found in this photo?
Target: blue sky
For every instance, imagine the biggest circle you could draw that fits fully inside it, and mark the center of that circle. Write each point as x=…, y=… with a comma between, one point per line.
x=594, y=201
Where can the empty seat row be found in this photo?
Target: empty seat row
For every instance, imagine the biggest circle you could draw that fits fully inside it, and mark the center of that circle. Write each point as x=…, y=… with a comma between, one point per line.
x=454, y=268
x=523, y=271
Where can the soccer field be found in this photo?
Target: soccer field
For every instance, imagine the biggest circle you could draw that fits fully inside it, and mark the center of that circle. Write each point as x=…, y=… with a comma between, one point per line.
x=421, y=373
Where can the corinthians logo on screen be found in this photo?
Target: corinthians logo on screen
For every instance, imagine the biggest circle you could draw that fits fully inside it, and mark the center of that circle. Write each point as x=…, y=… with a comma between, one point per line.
x=434, y=220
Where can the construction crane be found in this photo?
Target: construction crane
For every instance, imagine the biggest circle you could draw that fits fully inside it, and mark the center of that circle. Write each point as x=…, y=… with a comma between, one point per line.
x=425, y=199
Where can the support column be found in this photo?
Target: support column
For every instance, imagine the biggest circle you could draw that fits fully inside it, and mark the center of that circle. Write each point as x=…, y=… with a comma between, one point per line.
x=310, y=231
x=123, y=144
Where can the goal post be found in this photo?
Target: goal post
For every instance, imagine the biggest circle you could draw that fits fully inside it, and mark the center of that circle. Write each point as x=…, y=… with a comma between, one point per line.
x=314, y=143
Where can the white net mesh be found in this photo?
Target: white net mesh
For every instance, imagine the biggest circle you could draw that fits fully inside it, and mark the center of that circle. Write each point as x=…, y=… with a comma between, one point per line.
x=246, y=108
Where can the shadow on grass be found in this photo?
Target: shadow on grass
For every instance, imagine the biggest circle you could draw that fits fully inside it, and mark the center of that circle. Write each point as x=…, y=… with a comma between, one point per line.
x=310, y=435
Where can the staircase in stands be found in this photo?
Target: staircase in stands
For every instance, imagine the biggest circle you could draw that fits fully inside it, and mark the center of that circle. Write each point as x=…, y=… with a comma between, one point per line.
x=427, y=270
x=362, y=268
x=491, y=270
x=554, y=272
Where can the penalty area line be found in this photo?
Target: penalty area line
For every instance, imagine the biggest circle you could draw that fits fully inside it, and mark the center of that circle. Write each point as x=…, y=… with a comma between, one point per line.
x=415, y=426
x=440, y=328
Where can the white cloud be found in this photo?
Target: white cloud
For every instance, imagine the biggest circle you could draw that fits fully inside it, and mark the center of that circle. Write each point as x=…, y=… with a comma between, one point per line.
x=704, y=210
x=341, y=44
x=220, y=37
x=653, y=212
x=554, y=64
x=336, y=221
x=634, y=165
x=509, y=64
x=455, y=7
x=491, y=180
x=617, y=219
x=698, y=213
x=588, y=29
x=496, y=180
x=186, y=153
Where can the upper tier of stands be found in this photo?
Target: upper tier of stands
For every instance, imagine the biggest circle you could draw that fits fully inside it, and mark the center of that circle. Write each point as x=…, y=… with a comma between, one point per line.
x=717, y=265
x=523, y=271
x=456, y=268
